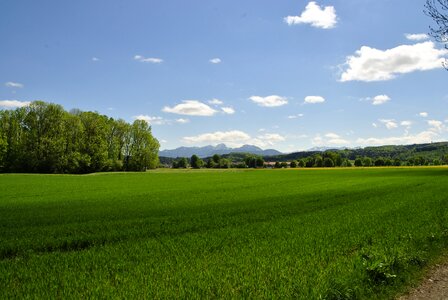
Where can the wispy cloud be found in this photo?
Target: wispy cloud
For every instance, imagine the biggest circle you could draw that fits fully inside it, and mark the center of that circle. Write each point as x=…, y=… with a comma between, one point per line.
x=182, y=121
x=370, y=64
x=191, y=108
x=295, y=116
x=314, y=99
x=152, y=60
x=269, y=101
x=228, y=110
x=215, y=60
x=416, y=36
x=423, y=114
x=8, y=104
x=329, y=139
x=422, y=137
x=151, y=120
x=16, y=85
x=235, y=138
x=316, y=16
x=95, y=59
x=380, y=99
x=215, y=101
x=390, y=124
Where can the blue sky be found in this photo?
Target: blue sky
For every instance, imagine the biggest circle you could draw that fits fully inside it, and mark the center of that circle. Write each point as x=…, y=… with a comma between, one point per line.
x=283, y=74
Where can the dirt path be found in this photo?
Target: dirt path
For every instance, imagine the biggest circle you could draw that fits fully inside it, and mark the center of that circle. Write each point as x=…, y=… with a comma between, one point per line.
x=433, y=287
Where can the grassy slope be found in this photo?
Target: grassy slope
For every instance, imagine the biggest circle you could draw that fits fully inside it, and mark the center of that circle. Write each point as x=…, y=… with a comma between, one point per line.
x=349, y=233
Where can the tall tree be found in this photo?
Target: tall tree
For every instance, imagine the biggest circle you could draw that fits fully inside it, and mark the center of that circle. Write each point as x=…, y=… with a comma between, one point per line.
x=196, y=162
x=145, y=148
x=438, y=10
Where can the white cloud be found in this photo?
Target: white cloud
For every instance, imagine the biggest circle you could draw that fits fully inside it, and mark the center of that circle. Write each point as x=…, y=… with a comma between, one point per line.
x=151, y=120
x=271, y=138
x=331, y=138
x=95, y=59
x=13, y=103
x=315, y=16
x=234, y=136
x=370, y=64
x=335, y=139
x=436, y=125
x=182, y=121
x=266, y=140
x=215, y=60
x=152, y=60
x=380, y=99
x=269, y=101
x=422, y=137
x=228, y=110
x=215, y=101
x=16, y=85
x=374, y=125
x=406, y=123
x=295, y=116
x=390, y=124
x=191, y=108
x=416, y=36
x=423, y=114
x=332, y=135
x=314, y=99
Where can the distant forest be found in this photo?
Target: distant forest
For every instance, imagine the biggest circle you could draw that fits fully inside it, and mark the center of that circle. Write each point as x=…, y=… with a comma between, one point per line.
x=406, y=155
x=44, y=138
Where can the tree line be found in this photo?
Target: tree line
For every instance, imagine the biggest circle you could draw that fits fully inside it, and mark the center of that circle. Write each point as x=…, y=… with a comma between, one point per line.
x=328, y=159
x=218, y=162
x=44, y=138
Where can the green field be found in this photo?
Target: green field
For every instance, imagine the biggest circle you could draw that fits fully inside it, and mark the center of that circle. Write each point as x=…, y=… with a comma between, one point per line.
x=332, y=234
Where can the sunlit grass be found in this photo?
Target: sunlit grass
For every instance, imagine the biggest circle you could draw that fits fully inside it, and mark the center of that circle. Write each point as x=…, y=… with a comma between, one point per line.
x=339, y=233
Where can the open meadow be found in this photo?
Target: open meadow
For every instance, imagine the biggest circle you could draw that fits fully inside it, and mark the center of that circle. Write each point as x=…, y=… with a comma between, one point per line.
x=322, y=233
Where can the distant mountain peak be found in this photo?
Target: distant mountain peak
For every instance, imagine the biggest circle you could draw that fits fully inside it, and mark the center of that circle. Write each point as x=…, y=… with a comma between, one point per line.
x=219, y=149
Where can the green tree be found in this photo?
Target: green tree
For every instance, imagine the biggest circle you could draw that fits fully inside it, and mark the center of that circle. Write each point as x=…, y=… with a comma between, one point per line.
x=196, y=162
x=301, y=163
x=379, y=162
x=224, y=163
x=293, y=164
x=328, y=163
x=358, y=162
x=216, y=159
x=145, y=148
x=318, y=161
x=3, y=148
x=367, y=162
x=210, y=163
x=259, y=163
x=182, y=163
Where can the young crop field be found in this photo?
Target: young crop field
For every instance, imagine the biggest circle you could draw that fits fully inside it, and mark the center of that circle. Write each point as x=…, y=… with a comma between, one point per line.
x=308, y=234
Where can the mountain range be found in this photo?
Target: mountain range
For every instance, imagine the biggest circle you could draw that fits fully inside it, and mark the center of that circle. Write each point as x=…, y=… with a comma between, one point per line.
x=219, y=149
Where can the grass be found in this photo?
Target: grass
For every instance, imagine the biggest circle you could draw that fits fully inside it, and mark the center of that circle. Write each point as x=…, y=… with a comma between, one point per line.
x=330, y=234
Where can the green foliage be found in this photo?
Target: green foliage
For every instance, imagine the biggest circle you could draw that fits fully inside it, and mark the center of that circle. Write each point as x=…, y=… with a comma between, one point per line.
x=196, y=162
x=293, y=164
x=182, y=163
x=43, y=137
x=367, y=162
x=328, y=163
x=344, y=233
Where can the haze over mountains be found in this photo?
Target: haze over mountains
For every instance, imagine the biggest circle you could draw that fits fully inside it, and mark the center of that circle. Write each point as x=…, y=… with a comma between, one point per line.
x=219, y=149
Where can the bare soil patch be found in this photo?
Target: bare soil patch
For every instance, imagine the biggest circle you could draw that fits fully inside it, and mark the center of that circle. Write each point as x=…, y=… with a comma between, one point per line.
x=434, y=285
